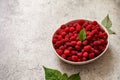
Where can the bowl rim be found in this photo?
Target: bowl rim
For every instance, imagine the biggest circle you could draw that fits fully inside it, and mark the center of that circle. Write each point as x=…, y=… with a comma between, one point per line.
x=88, y=61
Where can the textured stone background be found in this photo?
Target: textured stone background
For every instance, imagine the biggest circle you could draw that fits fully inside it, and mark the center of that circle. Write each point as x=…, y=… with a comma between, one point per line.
x=26, y=29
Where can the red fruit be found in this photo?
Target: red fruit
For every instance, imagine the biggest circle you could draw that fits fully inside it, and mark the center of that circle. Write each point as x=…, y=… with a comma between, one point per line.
x=79, y=43
x=72, y=38
x=69, y=58
x=87, y=48
x=85, y=24
x=66, y=52
x=77, y=47
x=79, y=60
x=85, y=54
x=79, y=55
x=94, y=23
x=96, y=52
x=81, y=22
x=62, y=47
x=75, y=58
x=58, y=31
x=84, y=59
x=68, y=44
x=73, y=43
x=76, y=35
x=85, y=42
x=63, y=56
x=59, y=37
x=63, y=34
x=73, y=52
x=66, y=39
x=91, y=55
x=66, y=30
x=69, y=48
x=91, y=34
x=78, y=27
x=54, y=40
x=88, y=37
x=59, y=51
x=63, y=26
x=71, y=29
x=88, y=27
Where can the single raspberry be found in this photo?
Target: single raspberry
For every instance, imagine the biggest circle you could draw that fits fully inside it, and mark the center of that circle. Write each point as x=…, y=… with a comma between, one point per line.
x=77, y=47
x=69, y=48
x=74, y=58
x=72, y=38
x=94, y=23
x=91, y=55
x=59, y=51
x=73, y=43
x=63, y=34
x=63, y=26
x=85, y=42
x=66, y=30
x=87, y=48
x=85, y=54
x=54, y=40
x=79, y=54
x=73, y=52
x=66, y=52
x=71, y=29
x=59, y=37
x=78, y=27
x=79, y=60
x=63, y=56
x=79, y=43
x=84, y=59
x=81, y=22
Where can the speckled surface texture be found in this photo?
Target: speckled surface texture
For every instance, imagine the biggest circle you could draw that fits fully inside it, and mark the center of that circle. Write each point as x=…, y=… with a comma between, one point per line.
x=26, y=29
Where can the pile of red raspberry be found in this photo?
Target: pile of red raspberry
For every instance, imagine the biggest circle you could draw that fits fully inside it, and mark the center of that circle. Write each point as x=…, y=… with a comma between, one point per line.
x=68, y=45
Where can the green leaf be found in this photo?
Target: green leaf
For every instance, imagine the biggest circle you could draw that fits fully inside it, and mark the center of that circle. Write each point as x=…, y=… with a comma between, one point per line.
x=64, y=77
x=51, y=74
x=107, y=23
x=74, y=77
x=82, y=35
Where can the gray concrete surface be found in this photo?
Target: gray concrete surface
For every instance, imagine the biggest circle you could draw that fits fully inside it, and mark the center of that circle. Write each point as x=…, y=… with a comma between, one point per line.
x=26, y=28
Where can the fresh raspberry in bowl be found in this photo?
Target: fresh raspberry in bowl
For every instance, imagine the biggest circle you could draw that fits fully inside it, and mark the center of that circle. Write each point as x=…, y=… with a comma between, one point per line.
x=80, y=41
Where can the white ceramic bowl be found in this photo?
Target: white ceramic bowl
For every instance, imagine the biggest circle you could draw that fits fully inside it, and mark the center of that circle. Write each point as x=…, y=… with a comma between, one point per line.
x=88, y=61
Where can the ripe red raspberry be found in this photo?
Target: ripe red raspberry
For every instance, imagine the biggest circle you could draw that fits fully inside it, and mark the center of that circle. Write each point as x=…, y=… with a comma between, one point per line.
x=73, y=43
x=74, y=58
x=63, y=26
x=66, y=52
x=78, y=27
x=59, y=51
x=69, y=58
x=84, y=59
x=54, y=40
x=81, y=22
x=63, y=56
x=72, y=29
x=72, y=38
x=87, y=48
x=69, y=48
x=77, y=47
x=62, y=47
x=88, y=37
x=91, y=55
x=73, y=52
x=85, y=42
x=66, y=29
x=59, y=37
x=85, y=54
x=79, y=60
x=79, y=54
x=94, y=23
x=63, y=34
x=85, y=24
x=79, y=43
